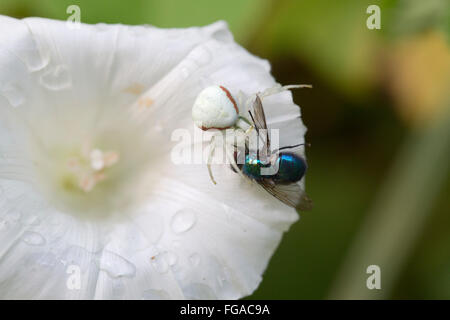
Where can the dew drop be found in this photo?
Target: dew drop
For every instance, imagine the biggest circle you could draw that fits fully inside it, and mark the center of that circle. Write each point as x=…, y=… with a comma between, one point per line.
x=183, y=221
x=155, y=295
x=33, y=239
x=115, y=266
x=194, y=259
x=34, y=59
x=13, y=94
x=57, y=78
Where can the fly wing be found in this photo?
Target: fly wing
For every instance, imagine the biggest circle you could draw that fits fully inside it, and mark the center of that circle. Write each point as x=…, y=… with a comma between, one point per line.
x=290, y=194
x=260, y=117
x=260, y=124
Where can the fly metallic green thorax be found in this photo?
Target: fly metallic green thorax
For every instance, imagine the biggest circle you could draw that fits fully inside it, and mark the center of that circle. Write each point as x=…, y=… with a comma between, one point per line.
x=291, y=168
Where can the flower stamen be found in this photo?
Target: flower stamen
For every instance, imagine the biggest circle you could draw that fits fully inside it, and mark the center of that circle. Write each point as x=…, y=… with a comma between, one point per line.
x=90, y=168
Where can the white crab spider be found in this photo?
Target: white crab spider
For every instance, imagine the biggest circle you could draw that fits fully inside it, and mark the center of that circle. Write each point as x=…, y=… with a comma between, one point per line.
x=216, y=108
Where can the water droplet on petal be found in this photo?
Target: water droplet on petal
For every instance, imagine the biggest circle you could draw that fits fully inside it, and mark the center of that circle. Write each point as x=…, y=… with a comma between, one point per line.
x=33, y=238
x=115, y=266
x=34, y=59
x=57, y=78
x=155, y=295
x=183, y=221
x=194, y=259
x=14, y=95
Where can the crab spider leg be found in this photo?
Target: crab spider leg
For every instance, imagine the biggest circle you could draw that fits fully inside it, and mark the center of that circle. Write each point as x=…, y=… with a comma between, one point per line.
x=278, y=89
x=233, y=162
x=212, y=147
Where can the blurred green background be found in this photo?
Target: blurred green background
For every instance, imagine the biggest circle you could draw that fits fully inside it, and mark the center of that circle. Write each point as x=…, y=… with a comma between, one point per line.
x=378, y=124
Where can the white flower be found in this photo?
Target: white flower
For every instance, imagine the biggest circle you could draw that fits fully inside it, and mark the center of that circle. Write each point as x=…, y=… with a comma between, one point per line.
x=91, y=205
